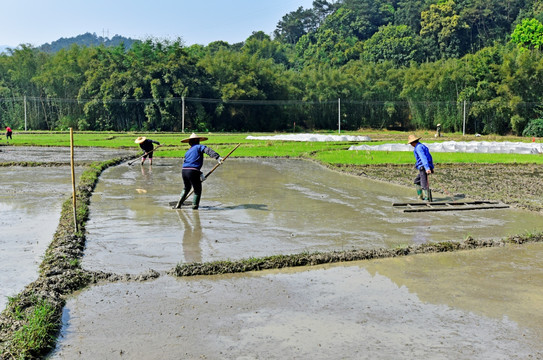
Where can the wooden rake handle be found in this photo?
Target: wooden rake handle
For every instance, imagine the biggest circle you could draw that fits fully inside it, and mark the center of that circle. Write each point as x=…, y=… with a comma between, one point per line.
x=147, y=153
x=215, y=167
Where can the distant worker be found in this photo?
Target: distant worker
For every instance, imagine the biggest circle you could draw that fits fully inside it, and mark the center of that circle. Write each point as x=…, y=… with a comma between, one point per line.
x=192, y=176
x=147, y=146
x=438, y=130
x=425, y=165
x=8, y=133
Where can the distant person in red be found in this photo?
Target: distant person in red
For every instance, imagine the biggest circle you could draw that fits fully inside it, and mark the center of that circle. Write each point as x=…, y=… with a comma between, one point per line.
x=147, y=146
x=8, y=133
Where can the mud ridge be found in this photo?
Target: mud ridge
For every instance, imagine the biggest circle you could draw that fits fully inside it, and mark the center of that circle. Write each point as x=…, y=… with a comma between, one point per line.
x=318, y=258
x=60, y=274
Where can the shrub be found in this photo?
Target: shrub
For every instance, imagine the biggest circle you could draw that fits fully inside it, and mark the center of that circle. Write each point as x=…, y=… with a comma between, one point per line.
x=534, y=128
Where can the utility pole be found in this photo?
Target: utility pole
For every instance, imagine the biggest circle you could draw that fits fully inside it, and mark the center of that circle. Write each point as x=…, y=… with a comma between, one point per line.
x=339, y=115
x=25, y=110
x=464, y=124
x=183, y=114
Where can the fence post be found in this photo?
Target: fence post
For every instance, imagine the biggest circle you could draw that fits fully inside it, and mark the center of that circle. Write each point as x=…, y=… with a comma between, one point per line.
x=25, y=109
x=339, y=115
x=464, y=124
x=183, y=114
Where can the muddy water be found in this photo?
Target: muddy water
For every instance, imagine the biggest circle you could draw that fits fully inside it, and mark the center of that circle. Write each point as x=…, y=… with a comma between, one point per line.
x=497, y=283
x=256, y=207
x=471, y=305
x=30, y=204
x=58, y=154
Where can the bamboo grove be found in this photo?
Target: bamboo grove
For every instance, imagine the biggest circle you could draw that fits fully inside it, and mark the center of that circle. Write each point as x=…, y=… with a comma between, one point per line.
x=360, y=63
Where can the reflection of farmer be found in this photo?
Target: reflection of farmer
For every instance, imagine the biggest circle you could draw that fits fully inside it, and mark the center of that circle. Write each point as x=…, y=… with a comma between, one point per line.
x=147, y=146
x=192, y=176
x=438, y=130
x=192, y=236
x=8, y=133
x=424, y=165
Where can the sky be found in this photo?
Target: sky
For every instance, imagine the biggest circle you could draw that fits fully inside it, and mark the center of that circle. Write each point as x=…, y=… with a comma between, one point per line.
x=194, y=21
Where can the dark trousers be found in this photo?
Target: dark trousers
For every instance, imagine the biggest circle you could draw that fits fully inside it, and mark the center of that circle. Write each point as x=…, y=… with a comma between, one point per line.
x=8, y=135
x=191, y=179
x=422, y=179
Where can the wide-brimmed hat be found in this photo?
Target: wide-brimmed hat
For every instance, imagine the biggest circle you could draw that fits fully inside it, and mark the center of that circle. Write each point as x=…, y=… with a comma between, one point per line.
x=438, y=124
x=140, y=139
x=194, y=136
x=412, y=139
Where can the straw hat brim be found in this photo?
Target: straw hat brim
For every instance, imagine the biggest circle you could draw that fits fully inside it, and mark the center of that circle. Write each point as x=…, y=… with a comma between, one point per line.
x=140, y=139
x=192, y=137
x=412, y=139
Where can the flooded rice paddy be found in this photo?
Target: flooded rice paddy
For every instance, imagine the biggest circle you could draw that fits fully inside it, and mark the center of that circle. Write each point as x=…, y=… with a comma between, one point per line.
x=57, y=154
x=255, y=208
x=464, y=305
x=469, y=305
x=30, y=203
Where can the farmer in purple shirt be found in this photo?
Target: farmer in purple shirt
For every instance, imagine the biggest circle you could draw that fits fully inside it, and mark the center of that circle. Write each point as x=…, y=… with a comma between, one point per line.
x=192, y=176
x=425, y=165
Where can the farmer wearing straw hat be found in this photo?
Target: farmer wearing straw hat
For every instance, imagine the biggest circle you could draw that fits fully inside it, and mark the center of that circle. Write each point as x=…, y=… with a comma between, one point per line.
x=424, y=165
x=147, y=146
x=192, y=176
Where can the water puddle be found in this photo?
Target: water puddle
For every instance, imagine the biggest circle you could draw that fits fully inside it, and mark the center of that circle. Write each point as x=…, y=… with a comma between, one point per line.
x=58, y=154
x=477, y=304
x=30, y=204
x=261, y=207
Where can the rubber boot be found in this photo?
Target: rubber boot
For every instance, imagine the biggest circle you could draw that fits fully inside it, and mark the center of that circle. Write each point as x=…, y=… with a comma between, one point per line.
x=182, y=198
x=427, y=195
x=419, y=192
x=195, y=202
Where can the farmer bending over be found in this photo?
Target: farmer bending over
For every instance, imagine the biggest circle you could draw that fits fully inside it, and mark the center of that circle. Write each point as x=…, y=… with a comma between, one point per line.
x=147, y=146
x=192, y=176
x=424, y=165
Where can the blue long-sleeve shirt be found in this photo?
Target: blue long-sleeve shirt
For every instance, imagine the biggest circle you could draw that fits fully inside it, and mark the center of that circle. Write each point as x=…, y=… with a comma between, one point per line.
x=423, y=157
x=194, y=157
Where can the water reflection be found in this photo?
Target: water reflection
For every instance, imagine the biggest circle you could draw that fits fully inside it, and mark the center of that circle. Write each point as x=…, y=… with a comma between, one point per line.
x=192, y=235
x=146, y=173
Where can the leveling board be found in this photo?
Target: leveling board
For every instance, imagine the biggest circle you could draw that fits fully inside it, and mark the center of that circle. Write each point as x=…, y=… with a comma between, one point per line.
x=450, y=206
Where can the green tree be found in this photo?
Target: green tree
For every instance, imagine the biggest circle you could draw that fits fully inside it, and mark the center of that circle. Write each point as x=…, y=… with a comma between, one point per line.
x=528, y=34
x=295, y=24
x=443, y=26
x=398, y=44
x=239, y=77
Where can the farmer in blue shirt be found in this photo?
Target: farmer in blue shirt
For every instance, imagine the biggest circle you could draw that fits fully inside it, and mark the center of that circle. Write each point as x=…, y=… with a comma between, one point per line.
x=192, y=176
x=424, y=165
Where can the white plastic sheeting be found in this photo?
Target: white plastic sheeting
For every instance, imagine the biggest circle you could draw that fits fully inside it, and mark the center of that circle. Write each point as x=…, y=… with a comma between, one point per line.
x=491, y=147
x=310, y=137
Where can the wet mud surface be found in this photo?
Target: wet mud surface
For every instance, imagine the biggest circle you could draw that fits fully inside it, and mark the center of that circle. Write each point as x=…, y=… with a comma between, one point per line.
x=58, y=154
x=30, y=203
x=261, y=207
x=474, y=304
x=520, y=185
x=471, y=304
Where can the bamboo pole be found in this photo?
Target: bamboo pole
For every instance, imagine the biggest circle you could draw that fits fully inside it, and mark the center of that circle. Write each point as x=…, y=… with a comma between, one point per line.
x=73, y=178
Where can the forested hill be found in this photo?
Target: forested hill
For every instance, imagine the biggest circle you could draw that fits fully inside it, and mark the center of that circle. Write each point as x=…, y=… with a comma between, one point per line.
x=86, y=39
x=469, y=65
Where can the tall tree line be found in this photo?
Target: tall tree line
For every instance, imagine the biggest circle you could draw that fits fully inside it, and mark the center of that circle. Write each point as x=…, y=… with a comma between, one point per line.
x=375, y=63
